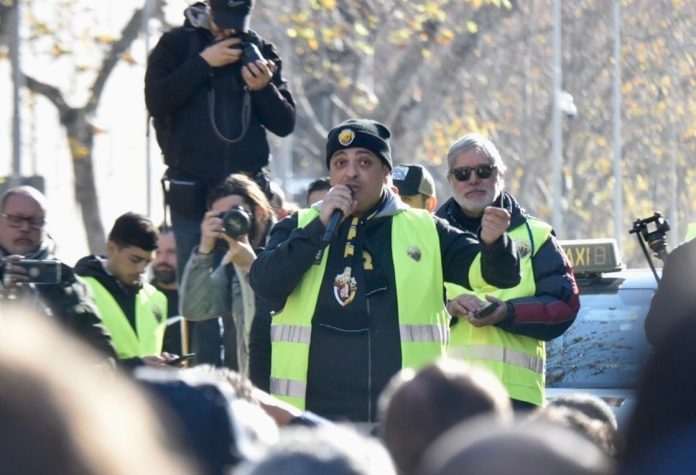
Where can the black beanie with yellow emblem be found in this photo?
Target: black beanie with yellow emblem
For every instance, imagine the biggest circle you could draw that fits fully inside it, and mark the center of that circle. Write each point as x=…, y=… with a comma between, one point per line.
x=361, y=133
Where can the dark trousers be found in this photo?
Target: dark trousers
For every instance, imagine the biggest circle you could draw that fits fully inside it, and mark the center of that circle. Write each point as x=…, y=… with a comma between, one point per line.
x=205, y=336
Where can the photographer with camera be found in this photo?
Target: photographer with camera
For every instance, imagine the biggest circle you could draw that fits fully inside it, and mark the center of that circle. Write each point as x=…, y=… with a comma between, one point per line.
x=214, y=87
x=239, y=219
x=33, y=277
x=212, y=103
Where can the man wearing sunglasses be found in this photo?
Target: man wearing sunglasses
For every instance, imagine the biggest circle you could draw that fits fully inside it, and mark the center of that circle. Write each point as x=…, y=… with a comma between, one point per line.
x=510, y=339
x=67, y=299
x=358, y=304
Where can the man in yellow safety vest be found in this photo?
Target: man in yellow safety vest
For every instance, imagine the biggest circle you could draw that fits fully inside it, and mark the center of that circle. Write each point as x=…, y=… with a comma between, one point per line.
x=359, y=278
x=510, y=339
x=134, y=311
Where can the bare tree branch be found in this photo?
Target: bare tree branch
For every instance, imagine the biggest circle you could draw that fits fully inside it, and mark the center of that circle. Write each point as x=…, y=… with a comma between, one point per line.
x=54, y=95
x=128, y=35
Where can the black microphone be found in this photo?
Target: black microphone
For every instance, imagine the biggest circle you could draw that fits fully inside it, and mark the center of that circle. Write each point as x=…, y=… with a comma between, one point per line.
x=334, y=221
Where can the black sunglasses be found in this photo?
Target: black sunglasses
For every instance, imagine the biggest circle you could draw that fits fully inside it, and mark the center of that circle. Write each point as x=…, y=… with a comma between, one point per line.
x=464, y=173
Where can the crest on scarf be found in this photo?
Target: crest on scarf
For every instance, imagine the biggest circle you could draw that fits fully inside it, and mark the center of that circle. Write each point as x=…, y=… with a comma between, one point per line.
x=345, y=287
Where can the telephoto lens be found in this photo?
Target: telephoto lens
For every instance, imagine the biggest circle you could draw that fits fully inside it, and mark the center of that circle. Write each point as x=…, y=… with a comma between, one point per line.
x=237, y=222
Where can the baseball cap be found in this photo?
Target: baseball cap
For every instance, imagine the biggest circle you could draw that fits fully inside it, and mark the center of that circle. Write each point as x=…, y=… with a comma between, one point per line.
x=232, y=14
x=413, y=179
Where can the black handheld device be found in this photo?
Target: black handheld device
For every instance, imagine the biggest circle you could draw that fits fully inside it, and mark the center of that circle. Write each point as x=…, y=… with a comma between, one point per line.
x=40, y=271
x=179, y=360
x=487, y=310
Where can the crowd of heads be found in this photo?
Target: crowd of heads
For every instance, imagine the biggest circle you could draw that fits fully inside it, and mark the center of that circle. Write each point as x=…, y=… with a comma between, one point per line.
x=447, y=418
x=64, y=410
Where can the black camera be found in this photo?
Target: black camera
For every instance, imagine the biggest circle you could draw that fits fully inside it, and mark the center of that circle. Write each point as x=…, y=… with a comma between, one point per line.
x=44, y=271
x=250, y=53
x=236, y=221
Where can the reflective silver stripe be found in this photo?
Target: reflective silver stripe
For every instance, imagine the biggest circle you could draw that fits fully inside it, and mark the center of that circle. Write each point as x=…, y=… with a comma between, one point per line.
x=288, y=387
x=291, y=333
x=497, y=353
x=434, y=333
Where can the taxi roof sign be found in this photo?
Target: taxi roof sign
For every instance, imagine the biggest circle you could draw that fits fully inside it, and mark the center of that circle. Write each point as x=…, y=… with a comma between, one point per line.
x=593, y=256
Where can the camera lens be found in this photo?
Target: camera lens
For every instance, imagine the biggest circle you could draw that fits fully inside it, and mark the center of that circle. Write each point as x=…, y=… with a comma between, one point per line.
x=236, y=222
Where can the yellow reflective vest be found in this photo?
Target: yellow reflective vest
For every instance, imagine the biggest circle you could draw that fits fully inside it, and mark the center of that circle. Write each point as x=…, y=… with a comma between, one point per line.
x=150, y=320
x=423, y=319
x=518, y=361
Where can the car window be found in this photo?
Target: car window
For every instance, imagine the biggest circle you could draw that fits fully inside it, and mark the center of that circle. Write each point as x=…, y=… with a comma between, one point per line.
x=606, y=346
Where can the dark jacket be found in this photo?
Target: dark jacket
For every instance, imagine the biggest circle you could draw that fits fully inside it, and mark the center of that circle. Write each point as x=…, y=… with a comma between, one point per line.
x=556, y=303
x=71, y=303
x=356, y=349
x=675, y=298
x=177, y=82
x=172, y=335
x=91, y=266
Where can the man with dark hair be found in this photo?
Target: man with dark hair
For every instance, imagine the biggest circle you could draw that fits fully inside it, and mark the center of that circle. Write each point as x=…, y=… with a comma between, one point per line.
x=317, y=189
x=164, y=278
x=134, y=311
x=418, y=407
x=365, y=299
x=23, y=235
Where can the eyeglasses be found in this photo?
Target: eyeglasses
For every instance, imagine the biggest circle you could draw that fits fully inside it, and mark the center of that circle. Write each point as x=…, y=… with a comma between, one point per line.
x=464, y=173
x=16, y=221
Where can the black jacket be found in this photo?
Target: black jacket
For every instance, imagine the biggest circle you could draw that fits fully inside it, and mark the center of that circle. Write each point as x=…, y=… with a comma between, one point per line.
x=554, y=306
x=356, y=349
x=91, y=266
x=675, y=299
x=177, y=82
x=71, y=303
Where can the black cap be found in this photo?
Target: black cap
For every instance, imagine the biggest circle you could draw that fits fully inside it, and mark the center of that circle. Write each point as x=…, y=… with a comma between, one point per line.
x=413, y=179
x=232, y=14
x=363, y=133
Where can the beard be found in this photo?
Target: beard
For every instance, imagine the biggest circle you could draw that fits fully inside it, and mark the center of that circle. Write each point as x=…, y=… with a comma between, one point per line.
x=476, y=206
x=164, y=274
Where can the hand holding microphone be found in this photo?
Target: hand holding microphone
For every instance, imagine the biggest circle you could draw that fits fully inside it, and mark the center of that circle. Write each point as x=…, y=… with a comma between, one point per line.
x=338, y=203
